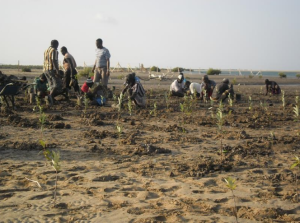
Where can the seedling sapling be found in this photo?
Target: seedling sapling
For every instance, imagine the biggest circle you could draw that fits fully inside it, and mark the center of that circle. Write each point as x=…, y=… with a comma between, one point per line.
x=283, y=100
x=154, y=110
x=230, y=183
x=129, y=106
x=296, y=164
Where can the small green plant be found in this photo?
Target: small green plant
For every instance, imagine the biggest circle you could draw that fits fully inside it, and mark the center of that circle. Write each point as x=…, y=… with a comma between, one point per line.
x=230, y=183
x=251, y=76
x=298, y=76
x=129, y=105
x=296, y=164
x=250, y=103
x=283, y=100
x=186, y=106
x=296, y=112
x=154, y=110
x=120, y=100
x=230, y=101
x=42, y=120
x=261, y=90
x=119, y=131
x=282, y=75
x=220, y=116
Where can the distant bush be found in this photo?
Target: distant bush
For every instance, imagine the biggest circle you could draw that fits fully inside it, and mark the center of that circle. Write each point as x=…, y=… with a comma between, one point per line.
x=233, y=81
x=260, y=76
x=212, y=71
x=298, y=75
x=175, y=69
x=86, y=72
x=26, y=69
x=282, y=75
x=250, y=76
x=154, y=68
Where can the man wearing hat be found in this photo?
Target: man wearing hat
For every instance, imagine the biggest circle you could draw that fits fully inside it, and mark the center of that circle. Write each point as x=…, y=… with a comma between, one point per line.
x=92, y=90
x=208, y=86
x=223, y=90
x=177, y=87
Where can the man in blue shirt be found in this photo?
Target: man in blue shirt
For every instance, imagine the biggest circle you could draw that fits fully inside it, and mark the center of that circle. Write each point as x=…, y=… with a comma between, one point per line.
x=102, y=64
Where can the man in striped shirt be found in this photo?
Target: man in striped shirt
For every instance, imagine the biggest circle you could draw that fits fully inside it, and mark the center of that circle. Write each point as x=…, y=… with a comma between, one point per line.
x=51, y=70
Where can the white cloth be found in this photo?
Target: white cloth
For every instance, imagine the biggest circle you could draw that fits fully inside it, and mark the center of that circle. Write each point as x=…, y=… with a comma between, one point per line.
x=195, y=87
x=177, y=87
x=102, y=55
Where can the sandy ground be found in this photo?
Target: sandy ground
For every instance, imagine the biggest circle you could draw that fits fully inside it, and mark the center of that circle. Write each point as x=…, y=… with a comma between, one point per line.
x=167, y=166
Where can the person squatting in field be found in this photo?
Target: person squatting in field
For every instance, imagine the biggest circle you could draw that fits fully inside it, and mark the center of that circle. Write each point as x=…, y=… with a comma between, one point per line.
x=41, y=86
x=177, y=87
x=92, y=91
x=223, y=90
x=208, y=87
x=51, y=70
x=272, y=87
x=70, y=72
x=135, y=90
x=193, y=88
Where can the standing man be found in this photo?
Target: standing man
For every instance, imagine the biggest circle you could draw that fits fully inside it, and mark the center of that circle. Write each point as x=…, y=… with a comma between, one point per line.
x=51, y=70
x=70, y=72
x=102, y=64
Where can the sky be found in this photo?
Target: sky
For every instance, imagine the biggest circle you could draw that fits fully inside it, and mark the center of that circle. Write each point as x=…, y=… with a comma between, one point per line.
x=221, y=34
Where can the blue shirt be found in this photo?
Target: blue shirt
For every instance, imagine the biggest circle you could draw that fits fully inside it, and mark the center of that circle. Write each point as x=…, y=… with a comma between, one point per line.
x=102, y=55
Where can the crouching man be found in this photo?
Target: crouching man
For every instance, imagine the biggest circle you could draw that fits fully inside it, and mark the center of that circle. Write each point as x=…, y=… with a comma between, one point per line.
x=135, y=90
x=177, y=87
x=223, y=90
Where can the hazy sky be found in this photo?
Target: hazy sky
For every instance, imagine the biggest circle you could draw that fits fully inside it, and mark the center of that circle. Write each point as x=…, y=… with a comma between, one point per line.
x=238, y=34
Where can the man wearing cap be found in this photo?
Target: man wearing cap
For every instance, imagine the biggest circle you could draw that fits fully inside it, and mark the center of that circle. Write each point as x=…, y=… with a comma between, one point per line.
x=177, y=87
x=102, y=64
x=92, y=90
x=223, y=90
x=207, y=86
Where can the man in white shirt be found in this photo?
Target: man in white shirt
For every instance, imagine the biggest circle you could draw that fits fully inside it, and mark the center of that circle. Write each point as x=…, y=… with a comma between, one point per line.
x=195, y=88
x=177, y=87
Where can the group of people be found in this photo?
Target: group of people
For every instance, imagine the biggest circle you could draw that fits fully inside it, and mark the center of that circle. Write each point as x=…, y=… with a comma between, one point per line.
x=205, y=90
x=54, y=82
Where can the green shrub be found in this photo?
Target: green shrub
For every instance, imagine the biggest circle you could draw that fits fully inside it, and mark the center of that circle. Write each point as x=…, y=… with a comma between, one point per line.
x=234, y=81
x=154, y=68
x=282, y=75
x=298, y=75
x=175, y=69
x=212, y=71
x=250, y=76
x=86, y=72
x=26, y=69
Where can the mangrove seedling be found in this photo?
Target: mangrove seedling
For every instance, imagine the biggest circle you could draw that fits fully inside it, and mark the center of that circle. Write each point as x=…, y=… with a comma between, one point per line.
x=230, y=101
x=120, y=100
x=230, y=183
x=129, y=106
x=296, y=164
x=119, y=130
x=296, y=112
x=220, y=116
x=154, y=110
x=283, y=100
x=167, y=100
x=250, y=103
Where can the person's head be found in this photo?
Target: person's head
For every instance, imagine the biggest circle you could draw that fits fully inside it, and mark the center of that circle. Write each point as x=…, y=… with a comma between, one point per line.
x=205, y=78
x=63, y=50
x=180, y=78
x=89, y=82
x=225, y=81
x=130, y=79
x=99, y=43
x=187, y=84
x=42, y=77
x=267, y=81
x=54, y=44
